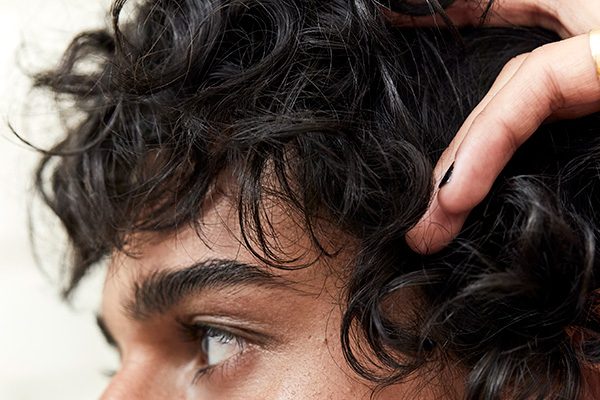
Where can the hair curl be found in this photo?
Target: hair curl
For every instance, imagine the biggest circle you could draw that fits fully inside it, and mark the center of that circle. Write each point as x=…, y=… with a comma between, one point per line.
x=347, y=116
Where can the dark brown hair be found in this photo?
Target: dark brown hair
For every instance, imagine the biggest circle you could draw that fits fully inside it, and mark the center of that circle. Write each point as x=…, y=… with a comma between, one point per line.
x=347, y=115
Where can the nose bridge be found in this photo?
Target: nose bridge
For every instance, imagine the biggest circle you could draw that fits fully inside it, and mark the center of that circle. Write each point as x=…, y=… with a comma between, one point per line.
x=140, y=380
x=128, y=386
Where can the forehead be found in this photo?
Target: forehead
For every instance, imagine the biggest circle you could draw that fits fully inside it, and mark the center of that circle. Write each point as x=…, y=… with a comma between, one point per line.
x=220, y=238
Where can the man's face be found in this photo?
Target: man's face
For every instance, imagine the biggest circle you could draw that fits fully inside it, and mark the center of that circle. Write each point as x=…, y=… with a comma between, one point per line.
x=196, y=319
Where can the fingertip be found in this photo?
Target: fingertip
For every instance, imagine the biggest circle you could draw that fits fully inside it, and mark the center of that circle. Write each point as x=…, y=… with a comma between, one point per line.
x=415, y=238
x=435, y=231
x=420, y=242
x=451, y=200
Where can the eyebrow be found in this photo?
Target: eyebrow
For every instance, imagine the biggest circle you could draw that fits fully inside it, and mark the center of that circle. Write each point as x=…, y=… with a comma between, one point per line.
x=165, y=289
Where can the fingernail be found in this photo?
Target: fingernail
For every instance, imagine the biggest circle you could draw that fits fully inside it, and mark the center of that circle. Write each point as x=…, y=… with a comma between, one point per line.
x=447, y=176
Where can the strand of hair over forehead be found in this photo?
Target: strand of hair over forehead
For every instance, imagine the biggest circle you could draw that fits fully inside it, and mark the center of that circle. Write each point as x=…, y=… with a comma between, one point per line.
x=323, y=107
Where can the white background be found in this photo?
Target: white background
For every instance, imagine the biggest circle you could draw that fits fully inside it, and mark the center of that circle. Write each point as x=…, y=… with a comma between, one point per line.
x=48, y=350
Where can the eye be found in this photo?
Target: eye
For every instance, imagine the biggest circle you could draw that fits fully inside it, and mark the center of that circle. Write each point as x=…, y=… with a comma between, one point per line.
x=218, y=346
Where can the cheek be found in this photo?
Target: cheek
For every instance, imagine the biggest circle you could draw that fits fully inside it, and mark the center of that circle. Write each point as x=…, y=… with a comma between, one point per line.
x=312, y=368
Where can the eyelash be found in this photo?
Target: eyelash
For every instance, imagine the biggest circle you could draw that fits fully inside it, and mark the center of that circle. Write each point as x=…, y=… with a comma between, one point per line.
x=198, y=331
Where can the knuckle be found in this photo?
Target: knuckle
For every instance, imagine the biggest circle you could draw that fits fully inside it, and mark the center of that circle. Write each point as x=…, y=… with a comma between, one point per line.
x=553, y=7
x=556, y=100
x=547, y=87
x=512, y=138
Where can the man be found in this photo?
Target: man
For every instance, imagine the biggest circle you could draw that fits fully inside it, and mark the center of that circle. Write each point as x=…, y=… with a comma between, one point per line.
x=251, y=170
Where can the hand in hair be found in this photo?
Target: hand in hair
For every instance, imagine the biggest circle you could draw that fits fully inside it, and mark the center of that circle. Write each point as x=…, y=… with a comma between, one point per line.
x=566, y=17
x=556, y=81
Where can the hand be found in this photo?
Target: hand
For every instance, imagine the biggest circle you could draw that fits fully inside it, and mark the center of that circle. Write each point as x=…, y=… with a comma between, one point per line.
x=555, y=81
x=566, y=17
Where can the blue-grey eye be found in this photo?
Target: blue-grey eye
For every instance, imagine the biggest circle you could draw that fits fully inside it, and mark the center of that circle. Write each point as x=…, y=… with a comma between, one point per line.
x=218, y=345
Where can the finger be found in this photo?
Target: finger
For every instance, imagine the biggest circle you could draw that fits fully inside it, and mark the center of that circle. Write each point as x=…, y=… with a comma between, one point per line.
x=505, y=76
x=557, y=79
x=437, y=227
x=461, y=13
x=566, y=17
x=571, y=17
x=476, y=13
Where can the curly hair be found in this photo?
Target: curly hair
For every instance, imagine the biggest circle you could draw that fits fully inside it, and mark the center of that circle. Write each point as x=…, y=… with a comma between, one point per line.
x=346, y=115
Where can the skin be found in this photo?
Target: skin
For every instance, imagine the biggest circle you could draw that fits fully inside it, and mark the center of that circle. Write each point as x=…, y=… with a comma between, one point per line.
x=289, y=344
x=555, y=81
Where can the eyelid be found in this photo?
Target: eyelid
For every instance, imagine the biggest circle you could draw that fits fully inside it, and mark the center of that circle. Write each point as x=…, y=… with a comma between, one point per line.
x=247, y=332
x=194, y=328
